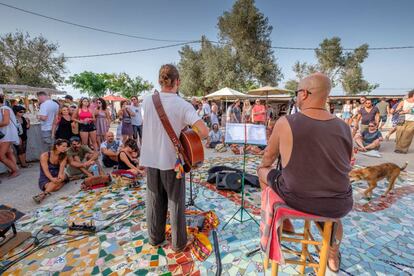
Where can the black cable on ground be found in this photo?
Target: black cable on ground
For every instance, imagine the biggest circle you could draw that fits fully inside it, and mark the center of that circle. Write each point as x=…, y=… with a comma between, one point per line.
x=217, y=253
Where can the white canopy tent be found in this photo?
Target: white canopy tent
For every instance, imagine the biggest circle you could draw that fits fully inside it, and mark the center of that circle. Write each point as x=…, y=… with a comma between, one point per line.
x=268, y=90
x=227, y=94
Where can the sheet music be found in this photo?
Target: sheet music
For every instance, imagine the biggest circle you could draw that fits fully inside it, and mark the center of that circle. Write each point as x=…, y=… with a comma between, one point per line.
x=256, y=134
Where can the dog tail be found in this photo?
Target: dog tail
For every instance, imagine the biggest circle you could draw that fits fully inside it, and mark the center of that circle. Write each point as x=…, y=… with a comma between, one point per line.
x=404, y=167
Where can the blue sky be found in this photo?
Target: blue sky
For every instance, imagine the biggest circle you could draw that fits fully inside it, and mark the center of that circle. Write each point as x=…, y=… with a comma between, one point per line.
x=380, y=23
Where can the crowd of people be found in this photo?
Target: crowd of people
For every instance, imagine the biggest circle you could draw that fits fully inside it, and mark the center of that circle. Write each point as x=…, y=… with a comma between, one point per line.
x=368, y=120
x=76, y=141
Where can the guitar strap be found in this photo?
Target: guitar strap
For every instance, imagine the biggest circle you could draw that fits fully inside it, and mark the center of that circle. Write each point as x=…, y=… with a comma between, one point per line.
x=181, y=156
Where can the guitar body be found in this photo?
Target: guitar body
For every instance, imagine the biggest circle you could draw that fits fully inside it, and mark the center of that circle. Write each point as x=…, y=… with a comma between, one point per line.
x=193, y=148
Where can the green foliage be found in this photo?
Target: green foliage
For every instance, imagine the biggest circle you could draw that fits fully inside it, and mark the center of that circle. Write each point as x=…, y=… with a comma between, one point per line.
x=248, y=31
x=292, y=85
x=191, y=72
x=128, y=86
x=244, y=60
x=301, y=70
x=342, y=67
x=96, y=84
x=30, y=61
x=89, y=82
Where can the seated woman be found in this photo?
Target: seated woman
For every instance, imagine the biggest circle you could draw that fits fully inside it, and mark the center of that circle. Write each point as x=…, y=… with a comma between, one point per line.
x=369, y=139
x=128, y=158
x=52, y=170
x=215, y=137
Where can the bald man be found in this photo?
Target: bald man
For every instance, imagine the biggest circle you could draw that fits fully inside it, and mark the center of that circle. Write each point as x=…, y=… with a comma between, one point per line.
x=110, y=149
x=315, y=149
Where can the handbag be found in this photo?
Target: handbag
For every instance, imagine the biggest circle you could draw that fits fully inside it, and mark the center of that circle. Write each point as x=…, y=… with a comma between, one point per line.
x=401, y=119
x=127, y=120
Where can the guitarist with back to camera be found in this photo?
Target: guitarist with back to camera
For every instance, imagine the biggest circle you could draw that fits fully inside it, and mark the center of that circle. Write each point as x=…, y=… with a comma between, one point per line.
x=165, y=116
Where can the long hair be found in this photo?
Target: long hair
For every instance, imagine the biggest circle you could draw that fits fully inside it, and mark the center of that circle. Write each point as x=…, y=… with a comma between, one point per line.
x=168, y=75
x=60, y=142
x=104, y=105
x=131, y=143
x=81, y=100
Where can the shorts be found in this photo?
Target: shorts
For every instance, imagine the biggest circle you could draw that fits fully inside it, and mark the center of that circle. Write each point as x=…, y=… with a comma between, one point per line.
x=273, y=179
x=383, y=118
x=108, y=162
x=346, y=115
x=214, y=144
x=87, y=127
x=47, y=139
x=21, y=148
x=367, y=144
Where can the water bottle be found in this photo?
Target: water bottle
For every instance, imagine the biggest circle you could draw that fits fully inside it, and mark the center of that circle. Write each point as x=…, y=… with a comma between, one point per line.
x=94, y=170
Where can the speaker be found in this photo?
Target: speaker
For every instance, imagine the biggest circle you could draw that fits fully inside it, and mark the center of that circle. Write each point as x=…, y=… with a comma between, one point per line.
x=231, y=181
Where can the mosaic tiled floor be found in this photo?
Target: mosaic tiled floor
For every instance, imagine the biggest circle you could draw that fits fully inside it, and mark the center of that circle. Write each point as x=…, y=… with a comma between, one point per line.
x=379, y=234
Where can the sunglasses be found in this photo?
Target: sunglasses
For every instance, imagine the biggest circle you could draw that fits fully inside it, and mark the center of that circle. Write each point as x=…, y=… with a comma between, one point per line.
x=302, y=90
x=21, y=111
x=371, y=126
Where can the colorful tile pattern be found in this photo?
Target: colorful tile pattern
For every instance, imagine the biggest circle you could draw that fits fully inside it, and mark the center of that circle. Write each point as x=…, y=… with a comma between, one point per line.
x=379, y=234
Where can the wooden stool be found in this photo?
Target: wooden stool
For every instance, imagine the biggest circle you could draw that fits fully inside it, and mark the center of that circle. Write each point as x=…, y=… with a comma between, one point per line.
x=305, y=259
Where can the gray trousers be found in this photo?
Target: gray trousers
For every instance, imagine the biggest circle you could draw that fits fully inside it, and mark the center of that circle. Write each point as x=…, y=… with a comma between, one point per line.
x=165, y=190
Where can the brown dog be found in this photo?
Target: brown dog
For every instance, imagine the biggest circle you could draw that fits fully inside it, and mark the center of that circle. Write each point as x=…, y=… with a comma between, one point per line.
x=373, y=174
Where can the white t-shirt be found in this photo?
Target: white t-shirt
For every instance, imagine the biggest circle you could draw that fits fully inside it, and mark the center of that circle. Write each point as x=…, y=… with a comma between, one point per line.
x=157, y=150
x=137, y=119
x=48, y=108
x=206, y=109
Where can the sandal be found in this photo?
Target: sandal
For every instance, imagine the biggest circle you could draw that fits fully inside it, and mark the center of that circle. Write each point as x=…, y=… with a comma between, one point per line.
x=40, y=197
x=332, y=251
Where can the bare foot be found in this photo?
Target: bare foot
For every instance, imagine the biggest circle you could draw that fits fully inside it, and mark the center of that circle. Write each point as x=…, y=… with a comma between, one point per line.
x=14, y=174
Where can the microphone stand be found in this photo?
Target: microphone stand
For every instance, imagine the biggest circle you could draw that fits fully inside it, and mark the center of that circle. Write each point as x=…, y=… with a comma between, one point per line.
x=191, y=202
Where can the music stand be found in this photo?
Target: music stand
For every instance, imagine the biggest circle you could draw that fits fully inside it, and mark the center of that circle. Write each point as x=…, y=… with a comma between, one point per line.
x=244, y=141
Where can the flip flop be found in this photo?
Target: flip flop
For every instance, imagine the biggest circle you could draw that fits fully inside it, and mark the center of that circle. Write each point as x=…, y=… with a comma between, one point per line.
x=339, y=263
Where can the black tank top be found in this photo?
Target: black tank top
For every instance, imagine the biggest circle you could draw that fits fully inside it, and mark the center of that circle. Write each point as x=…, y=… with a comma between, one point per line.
x=64, y=129
x=316, y=178
x=121, y=164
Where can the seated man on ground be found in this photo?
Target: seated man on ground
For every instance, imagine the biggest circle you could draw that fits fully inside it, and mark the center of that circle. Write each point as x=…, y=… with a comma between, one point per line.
x=369, y=139
x=80, y=160
x=215, y=137
x=110, y=149
x=128, y=158
x=315, y=149
x=52, y=170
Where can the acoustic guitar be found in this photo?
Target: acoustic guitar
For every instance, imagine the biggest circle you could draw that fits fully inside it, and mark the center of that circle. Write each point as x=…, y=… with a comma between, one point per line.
x=189, y=146
x=193, y=150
